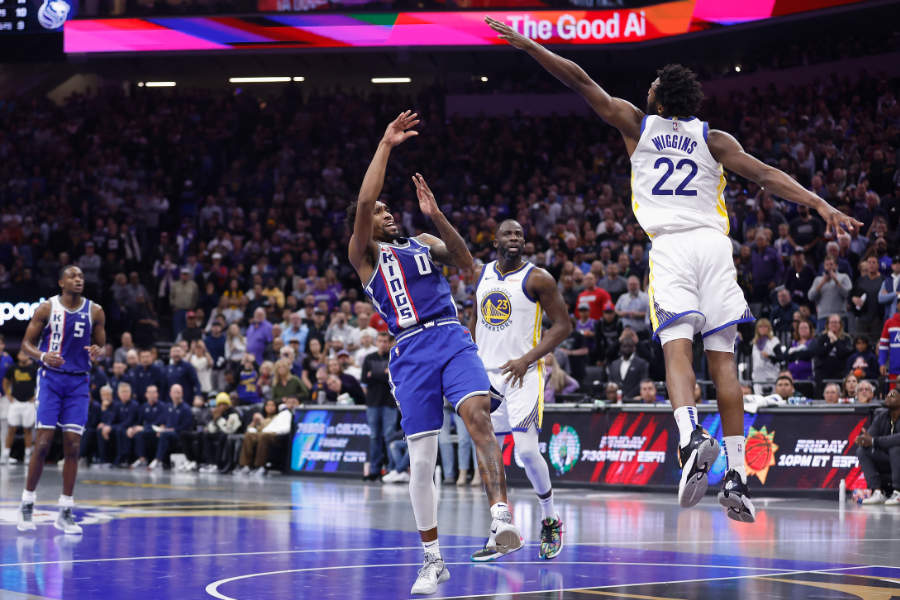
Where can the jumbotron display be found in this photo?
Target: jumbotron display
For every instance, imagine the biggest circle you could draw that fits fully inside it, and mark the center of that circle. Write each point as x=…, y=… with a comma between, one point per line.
x=422, y=29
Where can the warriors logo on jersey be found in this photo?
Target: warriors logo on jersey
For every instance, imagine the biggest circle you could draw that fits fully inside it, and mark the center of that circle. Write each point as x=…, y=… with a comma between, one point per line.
x=496, y=310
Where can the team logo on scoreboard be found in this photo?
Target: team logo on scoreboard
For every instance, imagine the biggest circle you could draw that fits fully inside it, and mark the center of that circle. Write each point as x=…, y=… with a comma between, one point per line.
x=496, y=310
x=564, y=448
x=760, y=452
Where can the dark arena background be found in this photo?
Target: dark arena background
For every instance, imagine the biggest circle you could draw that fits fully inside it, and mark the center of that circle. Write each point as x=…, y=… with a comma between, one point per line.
x=195, y=159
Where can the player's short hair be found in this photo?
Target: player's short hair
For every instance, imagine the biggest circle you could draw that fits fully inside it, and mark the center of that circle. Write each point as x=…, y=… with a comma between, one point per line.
x=62, y=270
x=678, y=92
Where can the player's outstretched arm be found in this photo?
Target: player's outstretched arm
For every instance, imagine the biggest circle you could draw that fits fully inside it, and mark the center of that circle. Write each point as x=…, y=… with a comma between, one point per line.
x=450, y=248
x=397, y=132
x=731, y=154
x=619, y=113
x=542, y=287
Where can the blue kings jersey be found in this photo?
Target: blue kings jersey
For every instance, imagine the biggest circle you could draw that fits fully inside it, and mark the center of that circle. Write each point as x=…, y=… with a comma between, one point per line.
x=407, y=287
x=68, y=332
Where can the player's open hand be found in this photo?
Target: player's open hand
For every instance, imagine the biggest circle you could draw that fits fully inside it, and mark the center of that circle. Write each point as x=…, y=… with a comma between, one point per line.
x=508, y=34
x=514, y=370
x=836, y=221
x=400, y=129
x=94, y=351
x=427, y=203
x=53, y=359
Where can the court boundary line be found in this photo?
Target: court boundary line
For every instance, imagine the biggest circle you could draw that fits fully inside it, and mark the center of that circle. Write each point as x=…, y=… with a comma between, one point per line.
x=625, y=585
x=212, y=588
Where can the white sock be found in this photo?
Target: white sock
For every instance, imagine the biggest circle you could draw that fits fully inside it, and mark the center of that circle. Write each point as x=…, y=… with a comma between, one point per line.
x=66, y=501
x=28, y=497
x=500, y=511
x=547, y=509
x=432, y=548
x=686, y=419
x=734, y=454
x=5, y=453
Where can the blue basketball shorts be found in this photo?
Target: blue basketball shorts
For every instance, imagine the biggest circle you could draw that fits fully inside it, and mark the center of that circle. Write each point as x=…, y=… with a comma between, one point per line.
x=430, y=364
x=62, y=400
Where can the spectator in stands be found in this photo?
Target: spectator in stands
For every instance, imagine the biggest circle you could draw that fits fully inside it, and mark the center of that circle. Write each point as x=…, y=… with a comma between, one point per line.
x=632, y=307
x=126, y=416
x=266, y=380
x=381, y=408
x=614, y=284
x=203, y=364
x=865, y=392
x=848, y=387
x=832, y=393
x=862, y=363
x=596, y=298
x=108, y=413
x=629, y=369
x=829, y=292
x=259, y=334
x=91, y=429
x=613, y=393
x=833, y=346
x=648, y=393
x=225, y=421
x=763, y=366
x=586, y=326
x=349, y=384
x=257, y=424
x=801, y=352
x=784, y=387
x=557, y=380
x=869, y=313
x=267, y=439
x=178, y=419
x=286, y=383
x=145, y=374
x=183, y=297
x=235, y=345
x=889, y=348
x=215, y=345
x=398, y=450
x=890, y=289
x=183, y=373
x=781, y=314
x=151, y=414
x=798, y=278
x=878, y=450
x=121, y=351
x=193, y=329
x=118, y=375
x=606, y=334
x=298, y=330
x=766, y=269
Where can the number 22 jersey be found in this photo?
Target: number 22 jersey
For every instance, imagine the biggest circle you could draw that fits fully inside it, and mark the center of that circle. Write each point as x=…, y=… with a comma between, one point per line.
x=676, y=184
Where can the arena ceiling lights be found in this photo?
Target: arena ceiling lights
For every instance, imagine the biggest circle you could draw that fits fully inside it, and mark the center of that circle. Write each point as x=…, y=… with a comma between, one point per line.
x=391, y=80
x=265, y=79
x=298, y=31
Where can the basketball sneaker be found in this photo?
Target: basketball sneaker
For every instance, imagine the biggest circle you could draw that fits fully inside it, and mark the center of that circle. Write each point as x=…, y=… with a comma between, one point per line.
x=735, y=498
x=432, y=573
x=551, y=538
x=894, y=500
x=65, y=522
x=25, y=520
x=696, y=458
x=877, y=497
x=504, y=538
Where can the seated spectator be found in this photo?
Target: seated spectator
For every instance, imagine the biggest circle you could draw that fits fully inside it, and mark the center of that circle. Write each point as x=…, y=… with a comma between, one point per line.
x=784, y=388
x=178, y=419
x=878, y=450
x=557, y=380
x=260, y=445
x=259, y=422
x=607, y=333
x=338, y=393
x=297, y=330
x=763, y=367
x=286, y=383
x=88, y=448
x=182, y=372
x=121, y=351
x=832, y=393
x=613, y=393
x=648, y=393
x=150, y=415
x=145, y=374
x=265, y=380
x=398, y=450
x=833, y=347
x=848, y=387
x=104, y=427
x=586, y=325
x=126, y=416
x=782, y=313
x=349, y=384
x=225, y=421
x=801, y=352
x=247, y=390
x=862, y=363
x=865, y=392
x=628, y=370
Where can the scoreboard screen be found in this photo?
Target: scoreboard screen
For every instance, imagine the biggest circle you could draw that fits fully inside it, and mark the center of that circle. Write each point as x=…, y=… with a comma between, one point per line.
x=23, y=38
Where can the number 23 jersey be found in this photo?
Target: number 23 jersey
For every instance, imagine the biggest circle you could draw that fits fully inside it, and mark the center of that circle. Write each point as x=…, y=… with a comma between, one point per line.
x=676, y=184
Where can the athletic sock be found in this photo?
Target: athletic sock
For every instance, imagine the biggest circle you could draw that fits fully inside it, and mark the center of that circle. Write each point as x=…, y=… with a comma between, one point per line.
x=66, y=501
x=5, y=453
x=28, y=497
x=432, y=548
x=500, y=512
x=547, y=509
x=686, y=419
x=734, y=454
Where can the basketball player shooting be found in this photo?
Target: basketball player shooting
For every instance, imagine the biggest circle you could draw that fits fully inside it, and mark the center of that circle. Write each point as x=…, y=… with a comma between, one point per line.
x=66, y=333
x=677, y=183
x=434, y=356
x=511, y=297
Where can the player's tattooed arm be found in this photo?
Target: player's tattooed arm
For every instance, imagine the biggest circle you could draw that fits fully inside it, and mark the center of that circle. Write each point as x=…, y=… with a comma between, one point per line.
x=728, y=151
x=450, y=248
x=361, y=242
x=33, y=335
x=98, y=332
x=542, y=287
x=619, y=113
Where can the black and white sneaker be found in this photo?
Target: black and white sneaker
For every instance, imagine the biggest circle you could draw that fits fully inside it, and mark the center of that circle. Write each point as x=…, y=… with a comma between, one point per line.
x=696, y=459
x=735, y=498
x=503, y=539
x=25, y=517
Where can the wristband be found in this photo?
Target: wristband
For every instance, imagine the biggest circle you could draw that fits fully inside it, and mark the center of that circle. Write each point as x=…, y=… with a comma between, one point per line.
x=43, y=354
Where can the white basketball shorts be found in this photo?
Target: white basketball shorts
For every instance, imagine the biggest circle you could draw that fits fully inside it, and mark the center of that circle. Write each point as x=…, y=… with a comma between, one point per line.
x=21, y=414
x=521, y=406
x=693, y=279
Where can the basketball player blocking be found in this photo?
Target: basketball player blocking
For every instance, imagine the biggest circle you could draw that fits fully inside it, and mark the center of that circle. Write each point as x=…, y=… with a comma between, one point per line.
x=434, y=356
x=677, y=182
x=66, y=333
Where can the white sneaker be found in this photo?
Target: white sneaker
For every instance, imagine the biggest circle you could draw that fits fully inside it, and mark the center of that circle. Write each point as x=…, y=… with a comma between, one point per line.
x=154, y=464
x=259, y=473
x=504, y=538
x=894, y=500
x=191, y=466
x=65, y=522
x=402, y=477
x=141, y=462
x=390, y=477
x=432, y=573
x=877, y=497
x=244, y=470
x=25, y=514
x=27, y=459
x=60, y=463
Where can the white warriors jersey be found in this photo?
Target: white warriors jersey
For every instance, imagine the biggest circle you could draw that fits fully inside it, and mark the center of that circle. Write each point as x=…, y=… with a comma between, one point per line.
x=509, y=320
x=676, y=184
